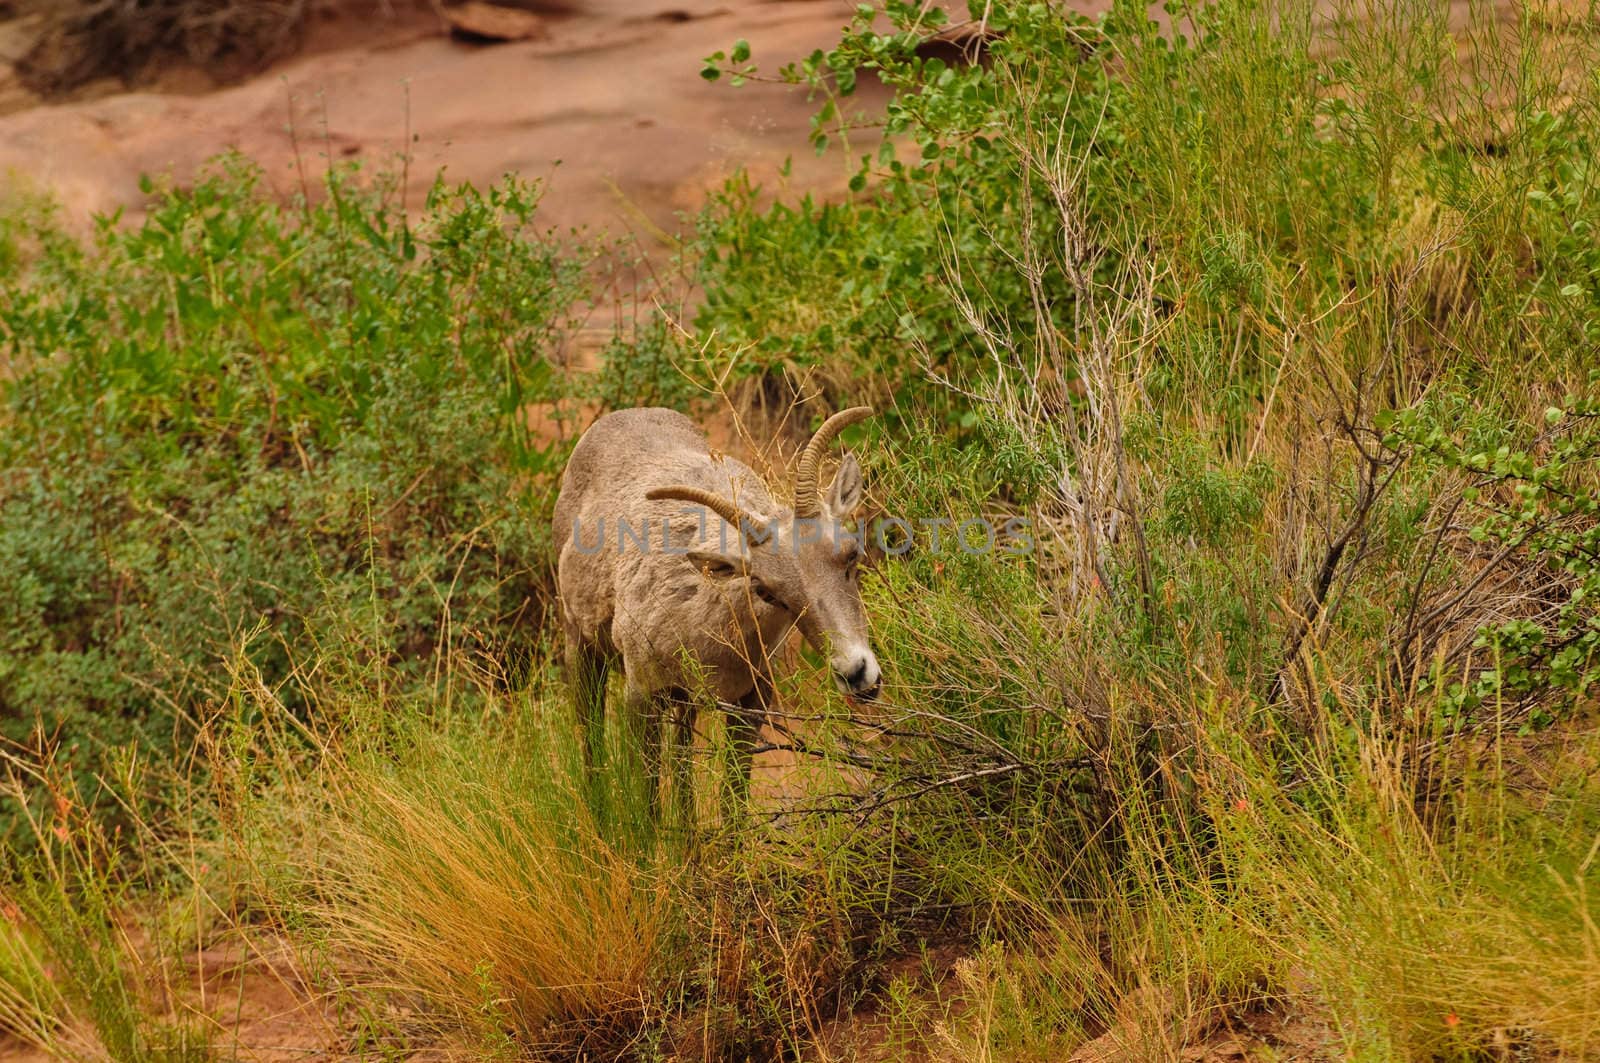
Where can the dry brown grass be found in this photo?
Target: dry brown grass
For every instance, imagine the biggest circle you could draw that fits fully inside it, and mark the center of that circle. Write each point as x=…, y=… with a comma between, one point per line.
x=482, y=884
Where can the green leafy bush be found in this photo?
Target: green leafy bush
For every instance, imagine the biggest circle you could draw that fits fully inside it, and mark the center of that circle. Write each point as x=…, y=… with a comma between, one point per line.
x=1534, y=504
x=242, y=426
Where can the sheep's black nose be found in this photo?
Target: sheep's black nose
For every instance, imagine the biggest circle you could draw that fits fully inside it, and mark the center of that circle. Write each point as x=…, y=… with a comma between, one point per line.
x=861, y=683
x=857, y=675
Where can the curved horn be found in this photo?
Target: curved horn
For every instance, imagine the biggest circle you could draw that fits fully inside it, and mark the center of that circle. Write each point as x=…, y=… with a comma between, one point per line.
x=718, y=504
x=807, y=502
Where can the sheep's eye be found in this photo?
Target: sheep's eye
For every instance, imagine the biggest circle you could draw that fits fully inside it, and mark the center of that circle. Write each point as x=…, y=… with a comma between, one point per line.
x=766, y=595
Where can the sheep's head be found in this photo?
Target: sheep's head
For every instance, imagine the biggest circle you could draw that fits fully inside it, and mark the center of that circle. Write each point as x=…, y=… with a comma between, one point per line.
x=803, y=562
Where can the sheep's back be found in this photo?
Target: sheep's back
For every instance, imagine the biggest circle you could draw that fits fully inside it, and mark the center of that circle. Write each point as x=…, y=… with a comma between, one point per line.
x=628, y=452
x=621, y=456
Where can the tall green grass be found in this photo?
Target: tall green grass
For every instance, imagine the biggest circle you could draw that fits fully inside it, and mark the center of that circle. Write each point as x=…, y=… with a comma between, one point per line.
x=89, y=965
x=458, y=863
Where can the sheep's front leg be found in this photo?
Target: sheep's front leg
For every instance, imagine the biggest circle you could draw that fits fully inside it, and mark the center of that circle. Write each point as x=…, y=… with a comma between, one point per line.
x=587, y=668
x=682, y=753
x=642, y=714
x=744, y=730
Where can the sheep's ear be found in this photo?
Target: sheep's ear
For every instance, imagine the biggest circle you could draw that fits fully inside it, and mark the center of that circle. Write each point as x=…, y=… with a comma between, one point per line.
x=717, y=565
x=845, y=494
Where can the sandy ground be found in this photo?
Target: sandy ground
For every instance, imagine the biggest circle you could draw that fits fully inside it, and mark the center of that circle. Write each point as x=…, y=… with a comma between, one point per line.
x=608, y=106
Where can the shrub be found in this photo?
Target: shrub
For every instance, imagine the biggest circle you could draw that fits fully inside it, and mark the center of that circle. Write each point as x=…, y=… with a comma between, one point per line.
x=244, y=426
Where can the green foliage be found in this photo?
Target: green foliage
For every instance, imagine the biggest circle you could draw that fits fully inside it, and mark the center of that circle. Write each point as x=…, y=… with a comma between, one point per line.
x=649, y=369
x=861, y=288
x=1265, y=184
x=233, y=423
x=1563, y=214
x=1539, y=501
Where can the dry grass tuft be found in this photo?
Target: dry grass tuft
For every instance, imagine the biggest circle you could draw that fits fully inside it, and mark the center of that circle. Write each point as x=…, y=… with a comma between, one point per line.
x=479, y=881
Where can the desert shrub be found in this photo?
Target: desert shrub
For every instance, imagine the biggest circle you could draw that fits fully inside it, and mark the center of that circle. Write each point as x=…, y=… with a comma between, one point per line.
x=1153, y=267
x=239, y=424
x=652, y=367
x=1531, y=499
x=1260, y=183
x=1166, y=297
x=860, y=291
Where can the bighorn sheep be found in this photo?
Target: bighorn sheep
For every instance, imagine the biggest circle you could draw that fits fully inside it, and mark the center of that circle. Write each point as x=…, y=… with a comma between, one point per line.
x=671, y=556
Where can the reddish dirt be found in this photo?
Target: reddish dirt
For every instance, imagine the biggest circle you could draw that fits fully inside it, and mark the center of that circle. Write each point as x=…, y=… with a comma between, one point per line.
x=607, y=104
x=263, y=1002
x=257, y=997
